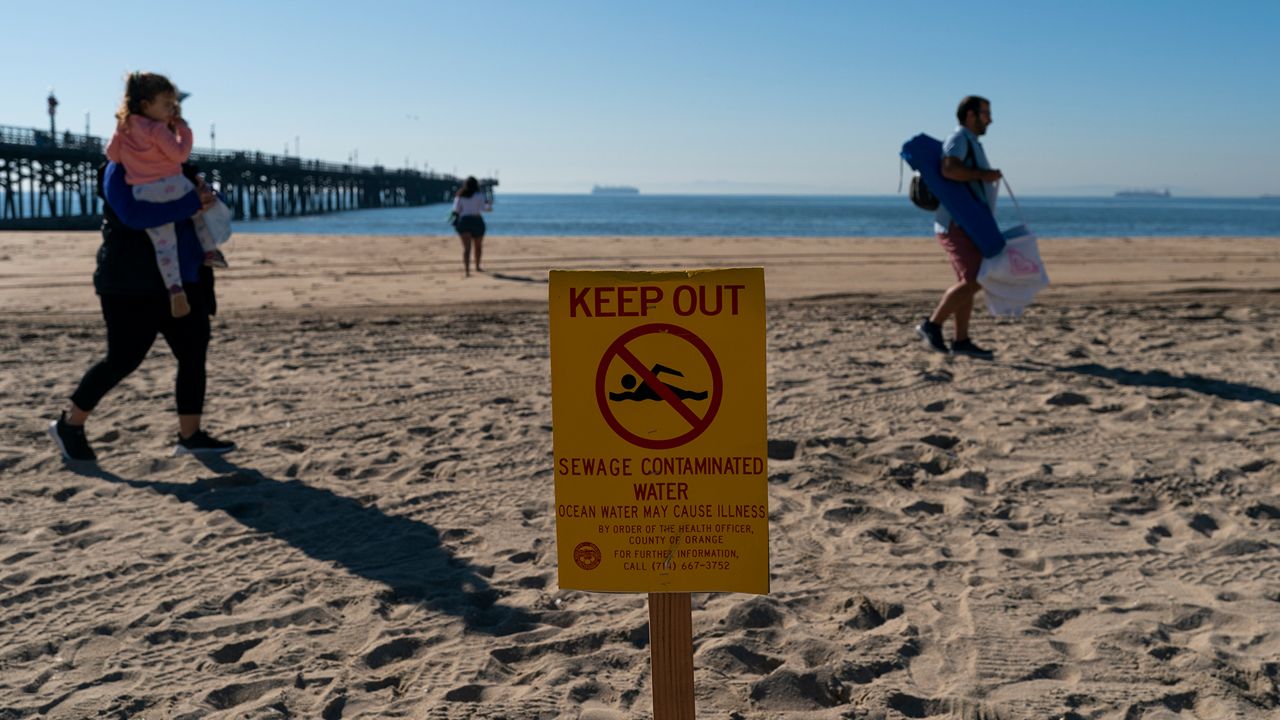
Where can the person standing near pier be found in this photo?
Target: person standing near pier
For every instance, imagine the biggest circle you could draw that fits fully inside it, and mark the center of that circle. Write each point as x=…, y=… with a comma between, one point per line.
x=469, y=203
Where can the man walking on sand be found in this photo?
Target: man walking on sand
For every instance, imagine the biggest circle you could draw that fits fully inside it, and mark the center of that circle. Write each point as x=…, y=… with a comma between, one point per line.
x=963, y=160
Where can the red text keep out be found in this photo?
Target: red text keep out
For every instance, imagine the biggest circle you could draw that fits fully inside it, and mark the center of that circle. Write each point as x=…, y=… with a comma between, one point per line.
x=639, y=300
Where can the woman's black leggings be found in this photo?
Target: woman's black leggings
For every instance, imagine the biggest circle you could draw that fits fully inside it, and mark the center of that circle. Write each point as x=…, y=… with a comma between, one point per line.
x=132, y=325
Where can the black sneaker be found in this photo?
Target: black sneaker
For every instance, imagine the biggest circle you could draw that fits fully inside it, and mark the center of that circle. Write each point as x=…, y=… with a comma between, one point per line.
x=202, y=443
x=70, y=440
x=931, y=334
x=966, y=347
x=215, y=258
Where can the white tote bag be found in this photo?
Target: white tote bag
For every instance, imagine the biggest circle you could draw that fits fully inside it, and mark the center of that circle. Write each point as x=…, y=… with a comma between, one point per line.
x=1012, y=279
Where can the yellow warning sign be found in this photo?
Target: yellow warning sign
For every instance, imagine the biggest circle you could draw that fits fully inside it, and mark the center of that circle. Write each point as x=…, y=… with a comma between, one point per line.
x=659, y=416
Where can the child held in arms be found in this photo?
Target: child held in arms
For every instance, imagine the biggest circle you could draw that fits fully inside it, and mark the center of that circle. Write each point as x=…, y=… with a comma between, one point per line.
x=152, y=141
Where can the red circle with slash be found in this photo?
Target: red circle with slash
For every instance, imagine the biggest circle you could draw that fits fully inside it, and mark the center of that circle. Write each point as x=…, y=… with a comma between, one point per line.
x=618, y=349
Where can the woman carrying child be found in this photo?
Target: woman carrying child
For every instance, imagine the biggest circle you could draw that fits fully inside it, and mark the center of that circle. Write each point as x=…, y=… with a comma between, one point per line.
x=152, y=141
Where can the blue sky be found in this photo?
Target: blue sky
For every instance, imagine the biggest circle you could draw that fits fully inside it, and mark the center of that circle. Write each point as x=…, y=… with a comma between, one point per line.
x=690, y=97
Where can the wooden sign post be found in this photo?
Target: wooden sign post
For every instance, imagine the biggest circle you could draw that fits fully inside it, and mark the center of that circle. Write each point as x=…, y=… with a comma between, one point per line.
x=671, y=655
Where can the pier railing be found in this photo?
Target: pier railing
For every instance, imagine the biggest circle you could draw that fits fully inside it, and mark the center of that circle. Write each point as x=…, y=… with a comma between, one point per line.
x=49, y=181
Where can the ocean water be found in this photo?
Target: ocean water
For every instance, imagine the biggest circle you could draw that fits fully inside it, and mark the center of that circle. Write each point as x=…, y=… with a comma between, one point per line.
x=799, y=216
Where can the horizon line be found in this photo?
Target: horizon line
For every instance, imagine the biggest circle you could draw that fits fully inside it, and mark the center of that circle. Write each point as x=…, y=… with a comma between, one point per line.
x=903, y=194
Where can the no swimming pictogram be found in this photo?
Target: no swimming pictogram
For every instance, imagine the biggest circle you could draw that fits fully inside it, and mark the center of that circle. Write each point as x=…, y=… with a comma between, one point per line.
x=694, y=407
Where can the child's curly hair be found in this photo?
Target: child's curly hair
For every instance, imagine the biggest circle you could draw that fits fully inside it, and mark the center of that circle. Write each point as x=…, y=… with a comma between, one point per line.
x=140, y=87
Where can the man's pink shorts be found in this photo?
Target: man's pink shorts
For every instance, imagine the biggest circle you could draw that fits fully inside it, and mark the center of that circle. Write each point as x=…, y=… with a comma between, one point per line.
x=963, y=254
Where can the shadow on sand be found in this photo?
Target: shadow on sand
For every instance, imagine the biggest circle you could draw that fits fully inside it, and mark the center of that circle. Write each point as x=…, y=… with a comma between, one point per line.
x=404, y=554
x=1161, y=379
x=518, y=278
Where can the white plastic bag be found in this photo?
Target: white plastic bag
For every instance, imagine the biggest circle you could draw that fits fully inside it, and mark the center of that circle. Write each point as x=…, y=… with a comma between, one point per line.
x=218, y=219
x=1012, y=279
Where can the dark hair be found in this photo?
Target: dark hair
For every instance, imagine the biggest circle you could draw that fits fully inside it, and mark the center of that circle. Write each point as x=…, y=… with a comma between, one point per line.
x=972, y=103
x=140, y=87
x=470, y=187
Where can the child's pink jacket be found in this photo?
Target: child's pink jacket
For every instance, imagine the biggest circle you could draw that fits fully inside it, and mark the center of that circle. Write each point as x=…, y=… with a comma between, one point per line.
x=149, y=150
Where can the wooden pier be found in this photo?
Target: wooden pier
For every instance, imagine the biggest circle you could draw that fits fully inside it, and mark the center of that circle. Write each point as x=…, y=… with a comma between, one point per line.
x=49, y=182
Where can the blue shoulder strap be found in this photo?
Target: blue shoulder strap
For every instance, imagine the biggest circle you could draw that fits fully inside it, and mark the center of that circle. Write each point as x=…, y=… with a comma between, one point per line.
x=970, y=156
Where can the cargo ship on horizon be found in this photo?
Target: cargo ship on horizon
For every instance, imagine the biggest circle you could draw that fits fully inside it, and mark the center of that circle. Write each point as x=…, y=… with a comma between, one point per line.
x=1141, y=193
x=614, y=190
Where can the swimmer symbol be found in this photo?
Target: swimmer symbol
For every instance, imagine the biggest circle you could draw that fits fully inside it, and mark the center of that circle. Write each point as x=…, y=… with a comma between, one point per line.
x=645, y=392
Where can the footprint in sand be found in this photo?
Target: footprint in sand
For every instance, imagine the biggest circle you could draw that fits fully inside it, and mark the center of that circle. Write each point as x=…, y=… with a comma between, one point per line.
x=232, y=653
x=395, y=651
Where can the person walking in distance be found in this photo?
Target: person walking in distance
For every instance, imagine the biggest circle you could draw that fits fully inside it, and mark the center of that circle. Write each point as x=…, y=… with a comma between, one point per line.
x=468, y=204
x=963, y=160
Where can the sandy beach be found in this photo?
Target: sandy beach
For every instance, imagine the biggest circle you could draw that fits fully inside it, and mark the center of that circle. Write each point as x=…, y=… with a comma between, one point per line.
x=47, y=272
x=1086, y=527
